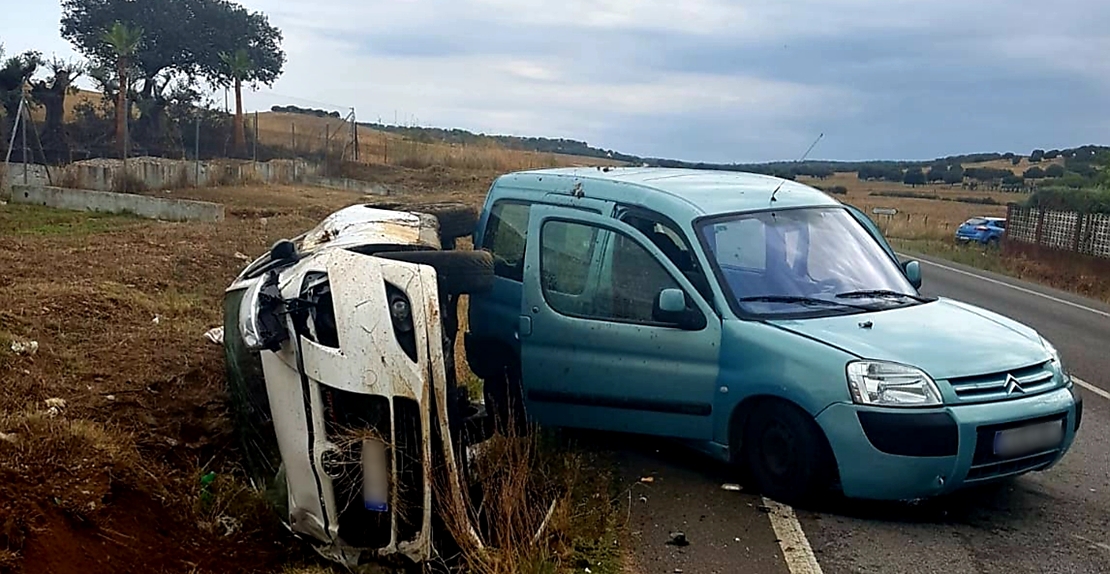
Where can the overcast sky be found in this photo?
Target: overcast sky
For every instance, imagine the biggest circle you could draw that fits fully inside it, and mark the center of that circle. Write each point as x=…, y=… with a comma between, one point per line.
x=711, y=80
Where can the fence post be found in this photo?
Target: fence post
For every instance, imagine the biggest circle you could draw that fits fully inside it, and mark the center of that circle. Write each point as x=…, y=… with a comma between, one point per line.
x=1079, y=219
x=22, y=121
x=197, y=157
x=1040, y=227
x=327, y=142
x=293, y=126
x=255, y=136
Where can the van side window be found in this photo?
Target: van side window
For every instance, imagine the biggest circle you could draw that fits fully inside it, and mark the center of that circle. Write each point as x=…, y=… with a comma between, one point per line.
x=566, y=262
x=506, y=232
x=673, y=244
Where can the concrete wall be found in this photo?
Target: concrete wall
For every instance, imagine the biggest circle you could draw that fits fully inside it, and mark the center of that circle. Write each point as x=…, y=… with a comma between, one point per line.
x=160, y=173
x=347, y=184
x=108, y=202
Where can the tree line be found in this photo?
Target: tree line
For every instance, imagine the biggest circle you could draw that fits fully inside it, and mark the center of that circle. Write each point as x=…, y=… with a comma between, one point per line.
x=151, y=61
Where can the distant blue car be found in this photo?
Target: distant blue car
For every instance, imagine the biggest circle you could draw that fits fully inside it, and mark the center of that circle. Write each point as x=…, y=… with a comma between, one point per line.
x=984, y=230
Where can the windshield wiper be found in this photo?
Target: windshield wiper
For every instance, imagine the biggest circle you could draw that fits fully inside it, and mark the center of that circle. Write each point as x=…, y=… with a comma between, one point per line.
x=798, y=300
x=882, y=294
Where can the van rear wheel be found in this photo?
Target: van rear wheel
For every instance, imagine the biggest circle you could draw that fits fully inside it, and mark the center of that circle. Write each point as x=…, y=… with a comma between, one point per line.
x=786, y=453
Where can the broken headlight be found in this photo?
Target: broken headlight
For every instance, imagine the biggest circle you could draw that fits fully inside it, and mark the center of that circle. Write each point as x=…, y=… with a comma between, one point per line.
x=886, y=384
x=400, y=313
x=259, y=320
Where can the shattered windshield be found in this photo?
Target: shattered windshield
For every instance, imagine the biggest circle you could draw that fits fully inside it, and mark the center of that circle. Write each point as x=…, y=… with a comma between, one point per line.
x=814, y=260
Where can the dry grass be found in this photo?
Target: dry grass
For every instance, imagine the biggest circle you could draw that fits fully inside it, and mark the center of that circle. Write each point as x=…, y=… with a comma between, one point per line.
x=541, y=508
x=307, y=134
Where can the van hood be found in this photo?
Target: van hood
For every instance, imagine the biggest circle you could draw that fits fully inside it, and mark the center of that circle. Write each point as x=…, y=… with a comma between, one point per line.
x=945, y=338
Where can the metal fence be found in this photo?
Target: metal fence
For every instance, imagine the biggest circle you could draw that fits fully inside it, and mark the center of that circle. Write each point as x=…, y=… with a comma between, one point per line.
x=1083, y=233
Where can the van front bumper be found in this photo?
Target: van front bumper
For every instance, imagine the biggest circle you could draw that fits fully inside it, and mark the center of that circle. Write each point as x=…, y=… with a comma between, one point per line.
x=904, y=454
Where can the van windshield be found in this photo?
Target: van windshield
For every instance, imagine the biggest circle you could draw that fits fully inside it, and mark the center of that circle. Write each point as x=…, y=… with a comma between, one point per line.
x=803, y=261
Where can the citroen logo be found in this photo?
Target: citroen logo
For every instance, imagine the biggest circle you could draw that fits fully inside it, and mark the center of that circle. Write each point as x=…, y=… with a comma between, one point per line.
x=1013, y=386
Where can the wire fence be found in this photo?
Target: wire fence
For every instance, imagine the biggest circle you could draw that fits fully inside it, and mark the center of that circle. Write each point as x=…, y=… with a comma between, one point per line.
x=1082, y=233
x=34, y=145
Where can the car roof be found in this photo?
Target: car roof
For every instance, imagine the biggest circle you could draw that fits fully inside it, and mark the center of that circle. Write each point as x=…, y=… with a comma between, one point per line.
x=703, y=191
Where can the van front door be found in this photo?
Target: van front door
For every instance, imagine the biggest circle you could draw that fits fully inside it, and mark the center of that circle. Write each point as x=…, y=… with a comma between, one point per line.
x=597, y=348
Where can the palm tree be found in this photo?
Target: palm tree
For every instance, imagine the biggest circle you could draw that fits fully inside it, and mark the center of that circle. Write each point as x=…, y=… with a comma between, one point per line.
x=124, y=41
x=238, y=67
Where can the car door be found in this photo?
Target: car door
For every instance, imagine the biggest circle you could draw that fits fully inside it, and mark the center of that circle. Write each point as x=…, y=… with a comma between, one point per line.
x=493, y=315
x=593, y=352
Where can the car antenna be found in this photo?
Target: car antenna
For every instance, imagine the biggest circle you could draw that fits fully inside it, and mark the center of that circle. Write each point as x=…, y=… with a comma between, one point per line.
x=804, y=156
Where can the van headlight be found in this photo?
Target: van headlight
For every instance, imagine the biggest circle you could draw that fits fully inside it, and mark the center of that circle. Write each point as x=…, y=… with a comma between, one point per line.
x=891, y=385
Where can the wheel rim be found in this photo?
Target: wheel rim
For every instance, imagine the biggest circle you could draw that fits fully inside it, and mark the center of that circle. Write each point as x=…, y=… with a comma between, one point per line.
x=778, y=452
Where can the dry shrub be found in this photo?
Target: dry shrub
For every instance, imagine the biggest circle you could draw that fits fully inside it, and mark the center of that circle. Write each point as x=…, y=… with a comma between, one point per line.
x=538, y=506
x=75, y=464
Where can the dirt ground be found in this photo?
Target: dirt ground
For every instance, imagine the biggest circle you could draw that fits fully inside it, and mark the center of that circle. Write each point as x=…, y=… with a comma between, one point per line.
x=109, y=425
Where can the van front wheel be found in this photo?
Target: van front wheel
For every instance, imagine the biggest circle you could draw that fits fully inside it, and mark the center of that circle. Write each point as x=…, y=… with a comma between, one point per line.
x=786, y=453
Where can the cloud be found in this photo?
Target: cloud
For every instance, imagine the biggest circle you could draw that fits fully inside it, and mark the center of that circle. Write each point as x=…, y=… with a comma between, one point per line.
x=713, y=80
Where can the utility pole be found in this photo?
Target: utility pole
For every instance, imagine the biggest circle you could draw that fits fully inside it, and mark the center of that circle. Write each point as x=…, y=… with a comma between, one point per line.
x=23, y=124
x=126, y=139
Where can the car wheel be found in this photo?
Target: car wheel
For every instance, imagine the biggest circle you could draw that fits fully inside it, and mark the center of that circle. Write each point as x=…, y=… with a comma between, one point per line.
x=786, y=453
x=460, y=272
x=992, y=242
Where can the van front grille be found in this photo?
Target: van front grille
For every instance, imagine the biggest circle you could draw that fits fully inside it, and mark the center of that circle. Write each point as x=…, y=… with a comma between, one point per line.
x=996, y=386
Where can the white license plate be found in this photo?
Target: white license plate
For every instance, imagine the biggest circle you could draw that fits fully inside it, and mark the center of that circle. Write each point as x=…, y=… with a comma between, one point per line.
x=1028, y=439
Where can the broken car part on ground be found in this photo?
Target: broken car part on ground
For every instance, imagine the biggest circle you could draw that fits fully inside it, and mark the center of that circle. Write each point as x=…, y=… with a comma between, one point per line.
x=339, y=349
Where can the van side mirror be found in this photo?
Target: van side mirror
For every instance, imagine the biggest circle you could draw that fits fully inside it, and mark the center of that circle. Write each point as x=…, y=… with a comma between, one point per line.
x=913, y=273
x=673, y=308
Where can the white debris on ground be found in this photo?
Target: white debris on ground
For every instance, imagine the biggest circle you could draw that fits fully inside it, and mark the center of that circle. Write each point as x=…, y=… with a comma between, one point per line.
x=54, y=406
x=215, y=335
x=25, y=348
x=243, y=256
x=8, y=437
x=157, y=319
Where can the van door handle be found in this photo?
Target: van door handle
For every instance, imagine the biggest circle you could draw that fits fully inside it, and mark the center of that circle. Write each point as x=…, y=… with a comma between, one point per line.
x=524, y=327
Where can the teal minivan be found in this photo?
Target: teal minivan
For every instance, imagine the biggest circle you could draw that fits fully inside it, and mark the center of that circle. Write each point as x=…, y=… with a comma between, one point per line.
x=759, y=320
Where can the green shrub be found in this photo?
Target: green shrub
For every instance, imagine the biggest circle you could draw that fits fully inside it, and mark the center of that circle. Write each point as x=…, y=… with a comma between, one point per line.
x=1064, y=199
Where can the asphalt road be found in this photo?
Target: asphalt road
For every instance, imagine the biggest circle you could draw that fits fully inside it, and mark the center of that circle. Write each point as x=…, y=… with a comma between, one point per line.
x=1053, y=521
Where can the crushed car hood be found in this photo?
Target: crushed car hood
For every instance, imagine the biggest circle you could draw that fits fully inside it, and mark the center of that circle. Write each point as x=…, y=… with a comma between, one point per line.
x=946, y=338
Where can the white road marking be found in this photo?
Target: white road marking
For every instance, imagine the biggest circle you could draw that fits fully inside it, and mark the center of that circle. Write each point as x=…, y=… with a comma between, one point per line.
x=1091, y=388
x=1017, y=288
x=792, y=540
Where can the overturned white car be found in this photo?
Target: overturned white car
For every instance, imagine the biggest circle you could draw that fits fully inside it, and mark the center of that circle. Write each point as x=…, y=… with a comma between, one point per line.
x=339, y=348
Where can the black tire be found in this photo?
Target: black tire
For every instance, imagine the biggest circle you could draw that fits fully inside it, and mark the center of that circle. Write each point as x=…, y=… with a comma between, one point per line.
x=786, y=453
x=993, y=243
x=249, y=402
x=460, y=272
x=455, y=219
x=504, y=397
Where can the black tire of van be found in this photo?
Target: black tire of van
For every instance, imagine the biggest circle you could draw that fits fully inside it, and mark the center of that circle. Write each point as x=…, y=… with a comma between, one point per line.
x=459, y=272
x=786, y=453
